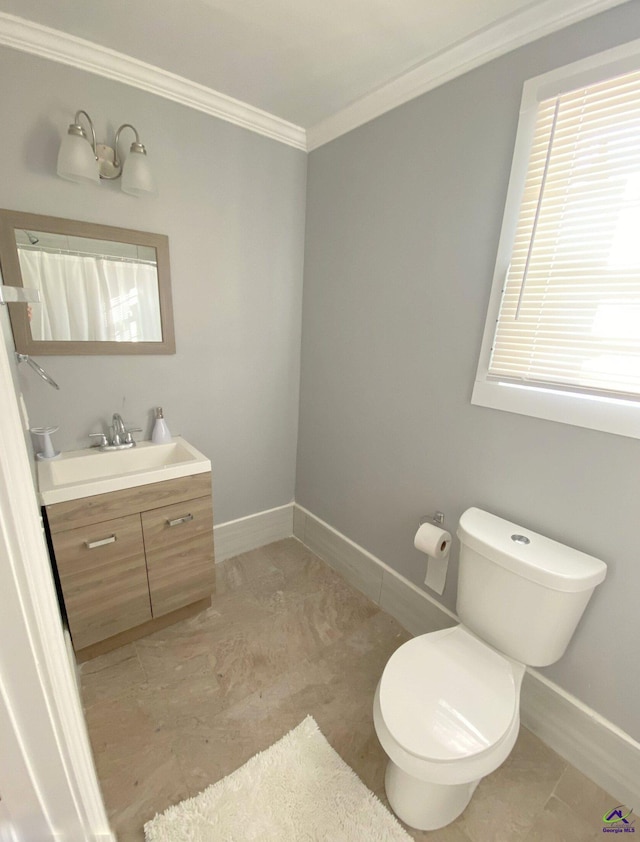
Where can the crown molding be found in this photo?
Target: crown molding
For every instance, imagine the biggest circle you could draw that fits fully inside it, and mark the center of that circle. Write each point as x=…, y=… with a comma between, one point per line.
x=518, y=29
x=30, y=37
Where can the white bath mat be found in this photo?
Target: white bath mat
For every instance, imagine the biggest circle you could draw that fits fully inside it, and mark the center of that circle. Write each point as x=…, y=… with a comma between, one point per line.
x=299, y=790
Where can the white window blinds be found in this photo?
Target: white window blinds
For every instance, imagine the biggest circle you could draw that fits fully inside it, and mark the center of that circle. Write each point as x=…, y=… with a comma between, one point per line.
x=570, y=311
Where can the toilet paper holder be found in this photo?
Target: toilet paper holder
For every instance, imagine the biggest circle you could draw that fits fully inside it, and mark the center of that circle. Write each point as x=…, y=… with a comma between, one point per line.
x=437, y=519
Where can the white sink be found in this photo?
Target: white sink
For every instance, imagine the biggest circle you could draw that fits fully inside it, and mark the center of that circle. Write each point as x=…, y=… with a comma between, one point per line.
x=83, y=473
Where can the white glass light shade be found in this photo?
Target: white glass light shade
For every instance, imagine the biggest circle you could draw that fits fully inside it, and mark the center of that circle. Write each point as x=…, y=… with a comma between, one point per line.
x=136, y=174
x=76, y=160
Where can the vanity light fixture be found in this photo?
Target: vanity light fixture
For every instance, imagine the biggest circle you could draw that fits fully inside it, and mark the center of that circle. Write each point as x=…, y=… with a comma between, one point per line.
x=81, y=159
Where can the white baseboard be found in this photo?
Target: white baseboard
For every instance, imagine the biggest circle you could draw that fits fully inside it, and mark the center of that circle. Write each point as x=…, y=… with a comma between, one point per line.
x=592, y=744
x=248, y=533
x=411, y=606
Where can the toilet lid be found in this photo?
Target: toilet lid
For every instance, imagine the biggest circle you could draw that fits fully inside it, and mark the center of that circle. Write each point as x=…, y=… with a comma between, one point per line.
x=446, y=695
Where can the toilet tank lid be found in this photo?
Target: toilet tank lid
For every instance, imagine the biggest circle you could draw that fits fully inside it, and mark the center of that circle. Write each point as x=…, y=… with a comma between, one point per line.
x=537, y=559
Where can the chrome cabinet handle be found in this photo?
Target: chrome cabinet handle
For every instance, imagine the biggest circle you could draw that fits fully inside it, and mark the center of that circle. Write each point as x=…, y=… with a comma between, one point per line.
x=93, y=544
x=179, y=520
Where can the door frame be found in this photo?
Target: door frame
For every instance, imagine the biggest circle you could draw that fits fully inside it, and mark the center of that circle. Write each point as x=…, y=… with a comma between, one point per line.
x=48, y=780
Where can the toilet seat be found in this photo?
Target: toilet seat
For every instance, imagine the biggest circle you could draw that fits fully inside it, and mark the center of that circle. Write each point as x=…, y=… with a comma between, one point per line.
x=447, y=696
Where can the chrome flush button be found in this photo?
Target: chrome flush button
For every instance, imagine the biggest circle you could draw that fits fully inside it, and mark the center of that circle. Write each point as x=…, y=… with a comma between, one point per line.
x=520, y=539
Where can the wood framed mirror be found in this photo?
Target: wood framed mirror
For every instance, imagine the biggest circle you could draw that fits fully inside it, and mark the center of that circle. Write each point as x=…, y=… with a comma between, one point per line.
x=103, y=290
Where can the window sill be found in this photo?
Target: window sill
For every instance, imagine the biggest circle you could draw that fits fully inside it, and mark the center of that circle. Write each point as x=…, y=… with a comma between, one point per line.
x=610, y=415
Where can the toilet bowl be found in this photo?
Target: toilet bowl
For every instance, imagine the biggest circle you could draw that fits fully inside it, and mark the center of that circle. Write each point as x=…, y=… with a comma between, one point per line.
x=446, y=712
x=446, y=709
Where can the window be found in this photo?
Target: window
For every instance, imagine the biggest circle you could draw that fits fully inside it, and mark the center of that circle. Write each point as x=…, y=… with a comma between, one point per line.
x=562, y=339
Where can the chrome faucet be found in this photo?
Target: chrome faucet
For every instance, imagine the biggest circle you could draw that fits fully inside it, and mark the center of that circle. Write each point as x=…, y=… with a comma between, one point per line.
x=121, y=438
x=118, y=430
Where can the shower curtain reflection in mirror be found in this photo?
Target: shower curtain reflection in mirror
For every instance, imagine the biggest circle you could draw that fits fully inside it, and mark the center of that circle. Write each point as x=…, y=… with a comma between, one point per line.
x=103, y=290
x=92, y=297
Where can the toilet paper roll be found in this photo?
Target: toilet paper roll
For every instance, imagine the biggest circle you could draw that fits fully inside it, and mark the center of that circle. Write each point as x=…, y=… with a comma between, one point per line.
x=432, y=540
x=435, y=542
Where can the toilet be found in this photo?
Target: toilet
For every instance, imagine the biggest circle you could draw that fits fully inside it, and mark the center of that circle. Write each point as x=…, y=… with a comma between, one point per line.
x=447, y=707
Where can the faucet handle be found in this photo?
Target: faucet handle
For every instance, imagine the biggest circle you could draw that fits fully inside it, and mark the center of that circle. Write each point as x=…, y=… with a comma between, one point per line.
x=128, y=439
x=103, y=439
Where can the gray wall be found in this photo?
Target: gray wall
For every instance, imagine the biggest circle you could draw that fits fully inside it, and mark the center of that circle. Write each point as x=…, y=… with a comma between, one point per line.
x=232, y=203
x=403, y=219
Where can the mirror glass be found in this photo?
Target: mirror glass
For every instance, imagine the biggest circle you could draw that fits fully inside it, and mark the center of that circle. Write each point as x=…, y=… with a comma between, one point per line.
x=90, y=290
x=103, y=290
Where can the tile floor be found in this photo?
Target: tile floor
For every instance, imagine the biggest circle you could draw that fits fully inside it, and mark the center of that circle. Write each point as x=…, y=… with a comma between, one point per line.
x=287, y=636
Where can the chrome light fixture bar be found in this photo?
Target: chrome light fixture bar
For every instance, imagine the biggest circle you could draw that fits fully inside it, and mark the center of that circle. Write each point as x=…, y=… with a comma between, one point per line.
x=83, y=160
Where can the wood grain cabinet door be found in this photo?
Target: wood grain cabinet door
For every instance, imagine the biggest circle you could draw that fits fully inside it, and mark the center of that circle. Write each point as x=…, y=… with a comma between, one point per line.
x=179, y=544
x=104, y=578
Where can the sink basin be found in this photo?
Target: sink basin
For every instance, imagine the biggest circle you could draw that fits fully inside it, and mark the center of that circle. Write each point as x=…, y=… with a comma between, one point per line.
x=83, y=473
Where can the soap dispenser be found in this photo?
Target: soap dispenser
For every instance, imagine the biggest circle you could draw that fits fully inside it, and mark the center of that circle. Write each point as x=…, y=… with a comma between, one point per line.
x=160, y=434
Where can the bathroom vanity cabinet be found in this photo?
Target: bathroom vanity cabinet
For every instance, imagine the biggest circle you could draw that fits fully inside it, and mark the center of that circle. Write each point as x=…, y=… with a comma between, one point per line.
x=132, y=561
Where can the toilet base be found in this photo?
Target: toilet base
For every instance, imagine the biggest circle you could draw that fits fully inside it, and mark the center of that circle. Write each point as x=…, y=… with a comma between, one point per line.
x=424, y=805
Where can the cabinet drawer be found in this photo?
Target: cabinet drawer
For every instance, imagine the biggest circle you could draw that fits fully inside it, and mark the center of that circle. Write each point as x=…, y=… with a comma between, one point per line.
x=104, y=578
x=179, y=545
x=102, y=507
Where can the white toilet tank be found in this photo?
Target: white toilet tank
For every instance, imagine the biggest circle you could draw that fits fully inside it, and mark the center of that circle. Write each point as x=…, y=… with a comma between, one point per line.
x=522, y=593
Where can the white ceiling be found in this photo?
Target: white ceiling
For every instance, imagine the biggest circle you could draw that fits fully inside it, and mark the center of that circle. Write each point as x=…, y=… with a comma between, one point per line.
x=301, y=60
